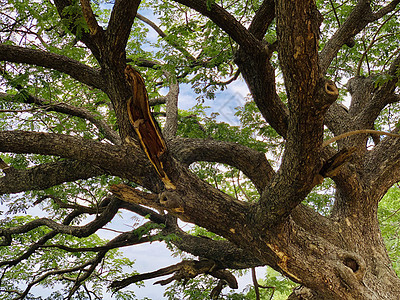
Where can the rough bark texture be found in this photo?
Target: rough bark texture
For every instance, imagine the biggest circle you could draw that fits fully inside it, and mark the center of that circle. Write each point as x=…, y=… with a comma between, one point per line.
x=341, y=256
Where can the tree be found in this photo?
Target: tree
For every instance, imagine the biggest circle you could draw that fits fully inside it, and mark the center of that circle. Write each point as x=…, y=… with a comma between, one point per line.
x=71, y=144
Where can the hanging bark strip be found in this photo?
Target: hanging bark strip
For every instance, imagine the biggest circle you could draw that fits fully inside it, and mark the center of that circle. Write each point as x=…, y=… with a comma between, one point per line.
x=144, y=124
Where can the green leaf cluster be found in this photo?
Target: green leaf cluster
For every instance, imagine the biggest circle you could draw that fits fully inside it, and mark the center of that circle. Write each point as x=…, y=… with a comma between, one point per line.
x=389, y=220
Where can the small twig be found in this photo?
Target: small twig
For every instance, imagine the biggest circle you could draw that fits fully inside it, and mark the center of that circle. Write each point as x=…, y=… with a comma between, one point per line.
x=390, y=57
x=334, y=11
x=163, y=35
x=255, y=283
x=237, y=73
x=241, y=188
x=234, y=185
x=23, y=110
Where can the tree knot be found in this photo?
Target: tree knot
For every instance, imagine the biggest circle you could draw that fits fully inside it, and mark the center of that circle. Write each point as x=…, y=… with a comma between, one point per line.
x=171, y=201
x=351, y=268
x=331, y=89
x=326, y=93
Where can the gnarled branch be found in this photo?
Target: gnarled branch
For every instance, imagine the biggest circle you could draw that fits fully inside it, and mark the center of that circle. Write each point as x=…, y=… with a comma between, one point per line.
x=184, y=270
x=46, y=175
x=252, y=163
x=116, y=160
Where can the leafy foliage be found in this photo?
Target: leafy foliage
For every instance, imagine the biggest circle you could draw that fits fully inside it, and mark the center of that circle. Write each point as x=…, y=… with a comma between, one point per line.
x=389, y=219
x=47, y=262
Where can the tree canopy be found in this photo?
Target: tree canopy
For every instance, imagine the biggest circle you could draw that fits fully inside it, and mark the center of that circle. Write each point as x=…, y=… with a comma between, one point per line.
x=90, y=127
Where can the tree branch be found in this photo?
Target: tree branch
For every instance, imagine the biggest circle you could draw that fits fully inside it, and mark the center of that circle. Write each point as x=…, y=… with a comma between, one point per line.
x=90, y=19
x=163, y=35
x=259, y=74
x=52, y=273
x=361, y=131
x=382, y=167
x=157, y=218
x=116, y=160
x=123, y=240
x=337, y=119
x=224, y=253
x=252, y=163
x=64, y=64
x=71, y=20
x=262, y=19
x=157, y=101
x=184, y=270
x=171, y=123
x=226, y=22
x=47, y=175
x=79, y=231
x=119, y=26
x=381, y=96
x=35, y=246
x=386, y=9
x=297, y=28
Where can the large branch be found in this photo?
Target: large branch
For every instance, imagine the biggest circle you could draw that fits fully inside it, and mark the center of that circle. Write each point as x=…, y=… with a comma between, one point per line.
x=171, y=122
x=120, y=24
x=184, y=270
x=367, y=103
x=194, y=201
x=71, y=110
x=116, y=160
x=382, y=96
x=262, y=19
x=357, y=20
x=224, y=253
x=309, y=96
x=263, y=89
x=46, y=175
x=64, y=64
x=226, y=22
x=252, y=163
x=382, y=167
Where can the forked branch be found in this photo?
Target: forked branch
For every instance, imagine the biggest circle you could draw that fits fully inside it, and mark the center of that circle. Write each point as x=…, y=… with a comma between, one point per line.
x=182, y=271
